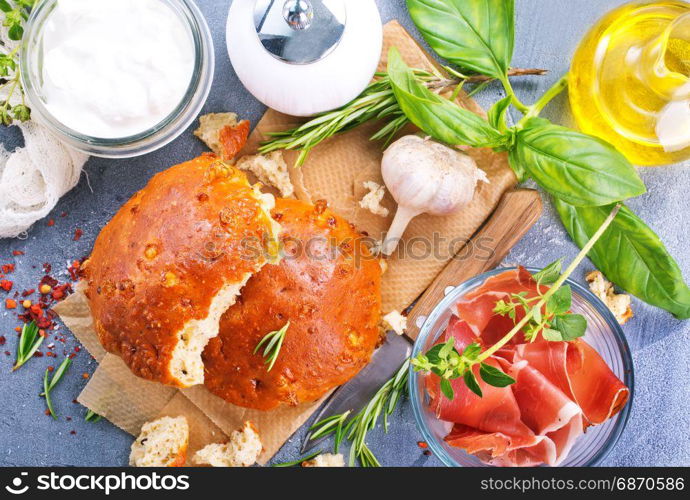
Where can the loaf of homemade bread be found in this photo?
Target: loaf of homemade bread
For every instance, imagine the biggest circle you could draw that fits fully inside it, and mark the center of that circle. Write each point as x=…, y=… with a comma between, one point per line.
x=170, y=263
x=327, y=285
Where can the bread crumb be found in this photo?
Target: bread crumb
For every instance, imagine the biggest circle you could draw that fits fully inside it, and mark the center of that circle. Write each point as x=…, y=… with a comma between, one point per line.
x=270, y=169
x=372, y=200
x=161, y=443
x=210, y=126
x=619, y=304
x=326, y=460
x=242, y=449
x=396, y=321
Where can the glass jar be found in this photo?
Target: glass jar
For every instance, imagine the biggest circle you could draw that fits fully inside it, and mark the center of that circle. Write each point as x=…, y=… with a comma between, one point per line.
x=31, y=61
x=604, y=334
x=630, y=81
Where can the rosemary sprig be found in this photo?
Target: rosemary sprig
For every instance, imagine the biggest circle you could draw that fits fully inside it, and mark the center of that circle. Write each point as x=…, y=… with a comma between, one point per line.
x=355, y=429
x=49, y=386
x=299, y=460
x=557, y=325
x=29, y=342
x=92, y=416
x=14, y=14
x=274, y=341
x=376, y=102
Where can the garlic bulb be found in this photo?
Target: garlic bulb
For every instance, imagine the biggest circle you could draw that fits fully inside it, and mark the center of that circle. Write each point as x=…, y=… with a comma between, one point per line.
x=426, y=177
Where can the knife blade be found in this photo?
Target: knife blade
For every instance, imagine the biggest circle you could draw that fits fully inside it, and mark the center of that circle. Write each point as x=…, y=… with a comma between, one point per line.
x=515, y=214
x=384, y=363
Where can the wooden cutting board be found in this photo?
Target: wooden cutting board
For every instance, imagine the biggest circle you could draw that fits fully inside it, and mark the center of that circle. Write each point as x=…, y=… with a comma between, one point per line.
x=515, y=214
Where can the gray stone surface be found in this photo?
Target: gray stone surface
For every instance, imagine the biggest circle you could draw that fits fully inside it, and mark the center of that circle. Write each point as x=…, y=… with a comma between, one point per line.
x=547, y=33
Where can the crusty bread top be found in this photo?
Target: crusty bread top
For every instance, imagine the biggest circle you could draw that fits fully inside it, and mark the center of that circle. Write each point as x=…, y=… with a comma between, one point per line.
x=158, y=264
x=330, y=293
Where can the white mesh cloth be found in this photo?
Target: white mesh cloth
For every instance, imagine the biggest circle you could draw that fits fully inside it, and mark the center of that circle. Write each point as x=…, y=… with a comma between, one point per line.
x=33, y=178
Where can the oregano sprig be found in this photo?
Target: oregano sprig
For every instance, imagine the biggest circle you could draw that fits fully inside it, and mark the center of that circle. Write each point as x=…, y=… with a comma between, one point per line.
x=446, y=362
x=14, y=14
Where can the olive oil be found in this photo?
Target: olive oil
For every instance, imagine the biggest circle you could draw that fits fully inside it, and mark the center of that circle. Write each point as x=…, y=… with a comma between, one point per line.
x=630, y=81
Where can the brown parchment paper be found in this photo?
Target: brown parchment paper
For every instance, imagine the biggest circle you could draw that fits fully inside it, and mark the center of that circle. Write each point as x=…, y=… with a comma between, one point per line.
x=334, y=171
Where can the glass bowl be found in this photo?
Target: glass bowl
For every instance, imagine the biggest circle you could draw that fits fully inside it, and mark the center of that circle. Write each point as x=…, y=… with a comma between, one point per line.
x=148, y=140
x=603, y=333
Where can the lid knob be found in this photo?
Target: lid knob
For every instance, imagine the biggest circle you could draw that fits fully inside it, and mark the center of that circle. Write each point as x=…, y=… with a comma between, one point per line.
x=298, y=14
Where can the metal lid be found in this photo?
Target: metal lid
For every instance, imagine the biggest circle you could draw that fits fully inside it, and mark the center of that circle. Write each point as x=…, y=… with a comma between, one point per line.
x=299, y=31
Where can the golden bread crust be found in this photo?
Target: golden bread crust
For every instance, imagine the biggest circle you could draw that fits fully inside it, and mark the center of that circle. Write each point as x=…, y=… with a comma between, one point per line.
x=164, y=256
x=328, y=286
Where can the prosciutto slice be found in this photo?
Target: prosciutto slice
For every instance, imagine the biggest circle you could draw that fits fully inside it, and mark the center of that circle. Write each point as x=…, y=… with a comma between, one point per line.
x=560, y=388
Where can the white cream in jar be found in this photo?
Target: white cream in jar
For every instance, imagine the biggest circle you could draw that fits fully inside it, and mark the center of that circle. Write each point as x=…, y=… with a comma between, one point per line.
x=115, y=68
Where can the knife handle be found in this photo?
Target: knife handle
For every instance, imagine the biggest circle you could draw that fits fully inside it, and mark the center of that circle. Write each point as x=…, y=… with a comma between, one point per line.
x=516, y=213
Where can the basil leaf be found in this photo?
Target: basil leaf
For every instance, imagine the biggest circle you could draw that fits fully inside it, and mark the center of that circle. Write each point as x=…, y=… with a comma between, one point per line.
x=447, y=389
x=477, y=35
x=571, y=326
x=560, y=301
x=497, y=114
x=495, y=377
x=577, y=168
x=440, y=118
x=471, y=382
x=631, y=255
x=549, y=274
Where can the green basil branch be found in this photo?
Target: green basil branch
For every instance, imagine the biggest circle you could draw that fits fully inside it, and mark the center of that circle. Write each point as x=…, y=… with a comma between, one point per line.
x=584, y=174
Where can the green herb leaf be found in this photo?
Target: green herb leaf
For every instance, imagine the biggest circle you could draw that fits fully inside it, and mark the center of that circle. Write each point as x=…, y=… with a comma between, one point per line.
x=560, y=301
x=549, y=274
x=92, y=416
x=571, y=326
x=273, y=341
x=497, y=114
x=29, y=342
x=299, y=461
x=49, y=386
x=631, y=255
x=494, y=377
x=574, y=167
x=552, y=335
x=440, y=118
x=471, y=382
x=477, y=35
x=447, y=389
x=46, y=394
x=472, y=351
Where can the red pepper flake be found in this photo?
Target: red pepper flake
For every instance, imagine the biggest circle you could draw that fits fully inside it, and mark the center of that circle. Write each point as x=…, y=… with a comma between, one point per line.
x=2, y=340
x=39, y=354
x=84, y=375
x=47, y=412
x=7, y=268
x=75, y=401
x=50, y=354
x=17, y=253
x=7, y=353
x=427, y=453
x=69, y=419
x=71, y=356
x=77, y=234
x=51, y=222
x=63, y=214
x=10, y=304
x=28, y=292
x=76, y=349
x=422, y=444
x=47, y=268
x=6, y=285
x=51, y=368
x=74, y=433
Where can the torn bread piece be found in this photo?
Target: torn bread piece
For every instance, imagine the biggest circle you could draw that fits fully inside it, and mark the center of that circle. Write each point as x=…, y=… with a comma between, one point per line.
x=372, y=200
x=242, y=449
x=395, y=321
x=170, y=263
x=270, y=169
x=223, y=133
x=326, y=460
x=618, y=303
x=161, y=443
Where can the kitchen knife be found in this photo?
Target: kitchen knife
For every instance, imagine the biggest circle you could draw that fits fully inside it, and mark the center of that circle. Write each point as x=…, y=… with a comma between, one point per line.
x=516, y=213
